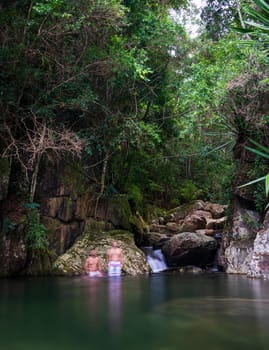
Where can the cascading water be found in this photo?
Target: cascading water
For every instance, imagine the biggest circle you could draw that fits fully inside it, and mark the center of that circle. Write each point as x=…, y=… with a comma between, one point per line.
x=155, y=259
x=215, y=268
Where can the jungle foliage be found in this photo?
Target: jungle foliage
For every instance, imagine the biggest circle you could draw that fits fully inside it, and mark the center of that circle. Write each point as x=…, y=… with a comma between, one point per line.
x=121, y=87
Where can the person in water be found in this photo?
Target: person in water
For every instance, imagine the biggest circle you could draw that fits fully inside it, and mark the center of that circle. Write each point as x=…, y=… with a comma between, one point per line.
x=92, y=265
x=115, y=260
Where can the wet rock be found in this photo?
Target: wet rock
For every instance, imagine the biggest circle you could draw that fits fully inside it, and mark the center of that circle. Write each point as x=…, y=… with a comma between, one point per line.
x=189, y=248
x=238, y=256
x=191, y=269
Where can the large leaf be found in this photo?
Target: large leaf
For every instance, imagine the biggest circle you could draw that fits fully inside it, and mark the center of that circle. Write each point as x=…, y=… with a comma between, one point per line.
x=259, y=17
x=258, y=26
x=219, y=147
x=262, y=5
x=253, y=182
x=263, y=148
x=267, y=184
x=256, y=151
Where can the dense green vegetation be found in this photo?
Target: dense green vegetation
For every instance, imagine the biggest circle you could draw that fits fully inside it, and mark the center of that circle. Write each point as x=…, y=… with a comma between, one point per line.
x=121, y=87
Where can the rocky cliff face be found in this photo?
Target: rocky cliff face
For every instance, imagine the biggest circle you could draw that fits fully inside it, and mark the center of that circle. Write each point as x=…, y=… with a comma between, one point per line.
x=66, y=201
x=259, y=265
x=250, y=255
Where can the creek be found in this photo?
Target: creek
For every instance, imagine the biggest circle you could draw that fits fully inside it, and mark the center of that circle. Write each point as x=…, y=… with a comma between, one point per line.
x=166, y=311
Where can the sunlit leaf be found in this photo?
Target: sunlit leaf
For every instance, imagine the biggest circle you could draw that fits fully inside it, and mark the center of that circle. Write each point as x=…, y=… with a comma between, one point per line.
x=253, y=182
x=267, y=184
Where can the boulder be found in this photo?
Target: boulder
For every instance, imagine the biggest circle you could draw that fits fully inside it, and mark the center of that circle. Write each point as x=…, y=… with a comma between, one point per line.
x=208, y=232
x=238, y=256
x=189, y=248
x=170, y=229
x=217, y=210
x=117, y=211
x=259, y=266
x=209, y=209
x=72, y=262
x=154, y=238
x=216, y=224
x=193, y=222
x=180, y=213
x=245, y=222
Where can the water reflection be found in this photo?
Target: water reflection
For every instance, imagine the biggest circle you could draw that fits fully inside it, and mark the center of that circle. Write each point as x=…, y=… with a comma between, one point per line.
x=158, y=293
x=114, y=298
x=93, y=297
x=165, y=311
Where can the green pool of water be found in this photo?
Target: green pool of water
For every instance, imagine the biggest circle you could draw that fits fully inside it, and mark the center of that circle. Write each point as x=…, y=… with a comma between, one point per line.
x=160, y=312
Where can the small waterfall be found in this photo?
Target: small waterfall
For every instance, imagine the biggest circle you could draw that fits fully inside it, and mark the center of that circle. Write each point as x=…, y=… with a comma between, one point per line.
x=155, y=259
x=215, y=267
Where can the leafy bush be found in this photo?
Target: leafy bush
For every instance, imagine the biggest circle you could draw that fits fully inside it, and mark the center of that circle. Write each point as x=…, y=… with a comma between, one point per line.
x=189, y=191
x=37, y=233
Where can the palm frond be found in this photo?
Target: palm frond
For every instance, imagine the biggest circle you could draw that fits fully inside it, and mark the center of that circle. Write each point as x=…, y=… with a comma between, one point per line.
x=253, y=182
x=256, y=151
x=260, y=146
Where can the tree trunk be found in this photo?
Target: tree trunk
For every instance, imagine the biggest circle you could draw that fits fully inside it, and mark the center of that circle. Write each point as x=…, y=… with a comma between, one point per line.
x=102, y=182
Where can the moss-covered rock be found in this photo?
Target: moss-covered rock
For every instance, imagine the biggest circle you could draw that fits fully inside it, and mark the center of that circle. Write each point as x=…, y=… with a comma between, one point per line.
x=117, y=211
x=94, y=237
x=153, y=213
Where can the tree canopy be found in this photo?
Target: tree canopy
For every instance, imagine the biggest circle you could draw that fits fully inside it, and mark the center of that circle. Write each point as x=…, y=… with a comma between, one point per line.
x=120, y=86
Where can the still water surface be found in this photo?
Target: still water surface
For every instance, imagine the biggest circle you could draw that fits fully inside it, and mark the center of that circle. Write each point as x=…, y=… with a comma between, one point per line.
x=160, y=312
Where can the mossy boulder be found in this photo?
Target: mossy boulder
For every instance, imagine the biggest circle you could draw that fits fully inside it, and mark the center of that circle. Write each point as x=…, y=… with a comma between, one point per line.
x=117, y=211
x=153, y=213
x=72, y=262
